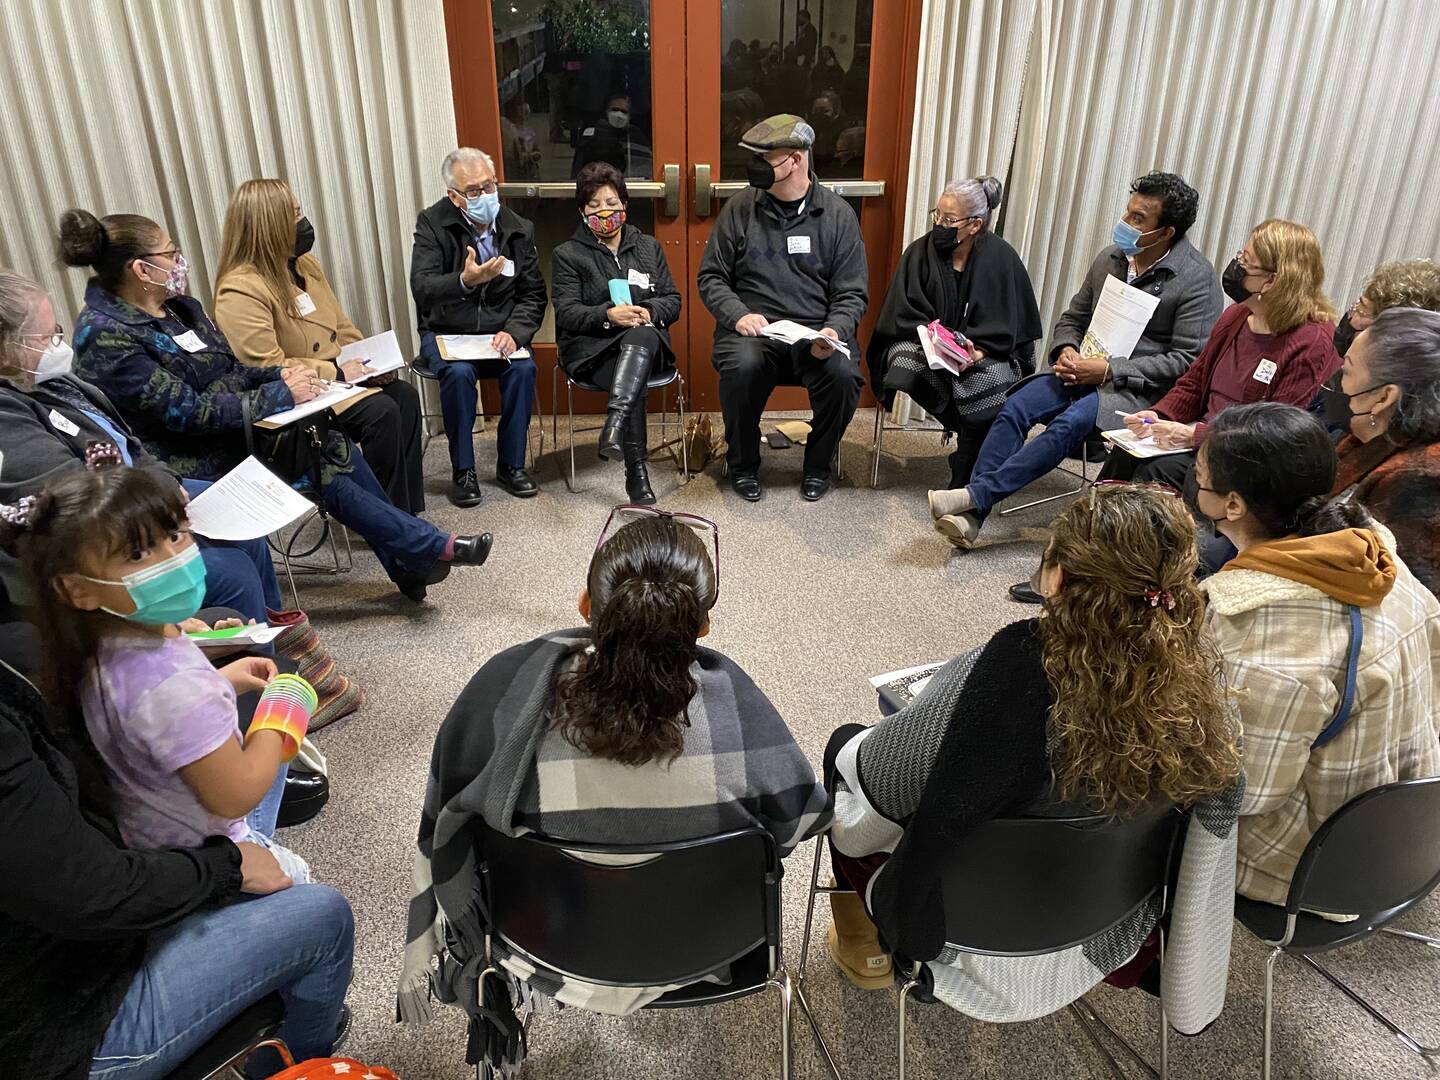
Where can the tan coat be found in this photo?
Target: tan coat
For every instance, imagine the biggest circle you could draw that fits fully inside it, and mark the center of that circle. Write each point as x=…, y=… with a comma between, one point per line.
x=263, y=334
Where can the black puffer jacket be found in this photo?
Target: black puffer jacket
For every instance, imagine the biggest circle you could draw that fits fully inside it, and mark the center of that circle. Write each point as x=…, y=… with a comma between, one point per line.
x=581, y=275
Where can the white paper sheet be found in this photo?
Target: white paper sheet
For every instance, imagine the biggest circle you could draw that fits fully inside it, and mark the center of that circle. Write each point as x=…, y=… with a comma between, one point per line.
x=1119, y=320
x=333, y=395
x=1145, y=447
x=476, y=347
x=381, y=354
x=246, y=503
x=793, y=333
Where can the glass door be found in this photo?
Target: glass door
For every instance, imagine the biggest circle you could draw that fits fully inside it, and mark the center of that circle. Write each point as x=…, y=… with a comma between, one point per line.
x=663, y=89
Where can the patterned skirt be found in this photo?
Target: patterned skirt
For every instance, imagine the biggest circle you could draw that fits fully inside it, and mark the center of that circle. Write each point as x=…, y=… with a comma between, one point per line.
x=951, y=399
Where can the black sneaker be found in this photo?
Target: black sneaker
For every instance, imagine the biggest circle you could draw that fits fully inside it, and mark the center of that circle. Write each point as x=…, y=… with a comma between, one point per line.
x=466, y=491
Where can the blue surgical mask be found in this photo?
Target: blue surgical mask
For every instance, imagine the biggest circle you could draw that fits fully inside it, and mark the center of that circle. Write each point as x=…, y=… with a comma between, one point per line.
x=1126, y=237
x=483, y=209
x=170, y=591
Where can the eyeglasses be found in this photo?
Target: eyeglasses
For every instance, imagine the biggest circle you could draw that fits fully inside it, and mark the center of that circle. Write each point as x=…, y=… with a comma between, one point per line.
x=949, y=221
x=629, y=513
x=487, y=188
x=51, y=340
x=1240, y=258
x=169, y=253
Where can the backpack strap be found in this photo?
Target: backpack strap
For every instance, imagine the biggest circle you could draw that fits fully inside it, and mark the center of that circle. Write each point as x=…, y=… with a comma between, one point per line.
x=1347, y=699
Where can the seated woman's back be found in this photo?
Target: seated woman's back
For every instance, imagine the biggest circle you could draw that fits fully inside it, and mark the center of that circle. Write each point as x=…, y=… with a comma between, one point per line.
x=1281, y=611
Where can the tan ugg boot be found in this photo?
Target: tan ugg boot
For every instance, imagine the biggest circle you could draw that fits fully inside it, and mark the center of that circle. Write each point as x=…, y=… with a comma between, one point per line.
x=855, y=945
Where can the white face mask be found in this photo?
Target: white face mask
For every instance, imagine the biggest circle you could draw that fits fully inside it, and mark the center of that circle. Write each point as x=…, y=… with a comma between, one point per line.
x=55, y=361
x=619, y=118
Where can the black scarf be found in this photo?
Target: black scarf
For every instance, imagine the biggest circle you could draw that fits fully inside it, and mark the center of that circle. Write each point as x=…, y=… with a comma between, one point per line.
x=992, y=302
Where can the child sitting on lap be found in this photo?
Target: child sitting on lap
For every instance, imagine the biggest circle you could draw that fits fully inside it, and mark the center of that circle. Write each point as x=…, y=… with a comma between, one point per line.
x=109, y=553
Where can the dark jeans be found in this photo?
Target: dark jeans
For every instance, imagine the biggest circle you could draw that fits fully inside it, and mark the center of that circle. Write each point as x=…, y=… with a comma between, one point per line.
x=407, y=546
x=1007, y=462
x=752, y=367
x=238, y=573
x=457, y=403
x=387, y=427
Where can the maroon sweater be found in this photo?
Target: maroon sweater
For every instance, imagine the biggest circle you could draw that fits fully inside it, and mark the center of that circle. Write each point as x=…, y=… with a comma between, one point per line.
x=1304, y=357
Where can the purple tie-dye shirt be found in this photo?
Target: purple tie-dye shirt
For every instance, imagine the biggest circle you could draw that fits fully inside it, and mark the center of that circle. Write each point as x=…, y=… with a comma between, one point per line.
x=154, y=705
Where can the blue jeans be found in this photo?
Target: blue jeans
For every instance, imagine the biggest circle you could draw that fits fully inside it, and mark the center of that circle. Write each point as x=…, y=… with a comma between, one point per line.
x=457, y=403
x=238, y=573
x=407, y=546
x=262, y=819
x=201, y=972
x=1007, y=462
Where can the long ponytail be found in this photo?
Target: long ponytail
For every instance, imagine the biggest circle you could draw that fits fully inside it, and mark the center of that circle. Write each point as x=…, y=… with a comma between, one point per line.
x=650, y=587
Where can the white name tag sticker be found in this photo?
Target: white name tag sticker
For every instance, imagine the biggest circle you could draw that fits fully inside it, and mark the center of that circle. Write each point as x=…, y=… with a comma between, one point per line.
x=1264, y=371
x=797, y=245
x=639, y=280
x=304, y=304
x=507, y=268
x=63, y=424
x=190, y=341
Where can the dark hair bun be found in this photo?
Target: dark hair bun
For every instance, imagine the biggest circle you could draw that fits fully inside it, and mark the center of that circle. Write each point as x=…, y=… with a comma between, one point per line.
x=993, y=190
x=82, y=238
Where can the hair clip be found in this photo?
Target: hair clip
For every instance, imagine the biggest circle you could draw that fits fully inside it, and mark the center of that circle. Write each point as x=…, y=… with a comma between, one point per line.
x=102, y=455
x=19, y=513
x=1156, y=597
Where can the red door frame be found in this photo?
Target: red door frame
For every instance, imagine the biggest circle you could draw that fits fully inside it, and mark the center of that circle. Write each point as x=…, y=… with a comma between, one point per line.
x=686, y=38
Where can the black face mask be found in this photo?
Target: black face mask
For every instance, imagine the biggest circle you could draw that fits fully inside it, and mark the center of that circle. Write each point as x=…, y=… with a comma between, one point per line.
x=1344, y=335
x=1233, y=282
x=1338, y=412
x=760, y=173
x=946, y=238
x=304, y=237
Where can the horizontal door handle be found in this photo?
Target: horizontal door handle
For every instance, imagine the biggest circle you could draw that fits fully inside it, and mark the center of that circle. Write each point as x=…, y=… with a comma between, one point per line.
x=859, y=189
x=643, y=189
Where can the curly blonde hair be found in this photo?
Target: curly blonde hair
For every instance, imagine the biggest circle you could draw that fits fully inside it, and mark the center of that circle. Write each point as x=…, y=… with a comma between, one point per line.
x=1412, y=283
x=1141, y=708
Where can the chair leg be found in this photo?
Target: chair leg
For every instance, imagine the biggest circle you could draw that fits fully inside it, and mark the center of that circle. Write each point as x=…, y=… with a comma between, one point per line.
x=905, y=990
x=1092, y=1023
x=1269, y=1009
x=555, y=407
x=781, y=981
x=680, y=419
x=1434, y=943
x=1410, y=1042
x=810, y=907
x=570, y=412
x=875, y=454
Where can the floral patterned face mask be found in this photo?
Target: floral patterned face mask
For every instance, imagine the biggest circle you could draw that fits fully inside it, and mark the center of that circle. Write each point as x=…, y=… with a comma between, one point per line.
x=605, y=222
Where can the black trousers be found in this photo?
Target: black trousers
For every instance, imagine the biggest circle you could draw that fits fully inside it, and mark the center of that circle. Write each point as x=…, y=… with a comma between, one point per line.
x=969, y=437
x=387, y=427
x=752, y=367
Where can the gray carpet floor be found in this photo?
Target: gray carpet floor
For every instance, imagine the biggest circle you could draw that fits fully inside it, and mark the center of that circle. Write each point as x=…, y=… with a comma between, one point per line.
x=814, y=598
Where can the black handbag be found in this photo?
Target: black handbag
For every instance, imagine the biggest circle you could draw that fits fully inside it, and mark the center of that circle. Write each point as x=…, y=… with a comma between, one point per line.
x=297, y=451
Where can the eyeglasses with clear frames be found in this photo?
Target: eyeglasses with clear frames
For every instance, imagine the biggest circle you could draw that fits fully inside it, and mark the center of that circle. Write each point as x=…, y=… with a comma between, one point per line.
x=50, y=340
x=627, y=513
x=1240, y=258
x=949, y=221
x=487, y=188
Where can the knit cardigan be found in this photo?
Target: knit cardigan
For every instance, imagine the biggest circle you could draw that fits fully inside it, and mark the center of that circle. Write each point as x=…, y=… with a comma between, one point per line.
x=975, y=746
x=1400, y=486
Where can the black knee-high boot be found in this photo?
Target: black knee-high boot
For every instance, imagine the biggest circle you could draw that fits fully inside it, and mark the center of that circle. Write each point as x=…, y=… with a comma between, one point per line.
x=637, y=476
x=632, y=368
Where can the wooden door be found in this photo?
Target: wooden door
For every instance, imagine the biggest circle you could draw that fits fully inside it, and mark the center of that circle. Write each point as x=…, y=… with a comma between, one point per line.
x=535, y=82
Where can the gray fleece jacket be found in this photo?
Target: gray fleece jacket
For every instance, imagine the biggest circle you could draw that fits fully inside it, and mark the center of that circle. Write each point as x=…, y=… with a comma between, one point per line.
x=1190, y=304
x=810, y=269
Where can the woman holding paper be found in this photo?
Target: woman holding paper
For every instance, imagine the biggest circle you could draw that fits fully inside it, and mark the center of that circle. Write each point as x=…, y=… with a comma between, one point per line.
x=973, y=283
x=613, y=300
x=276, y=307
x=169, y=371
x=1275, y=343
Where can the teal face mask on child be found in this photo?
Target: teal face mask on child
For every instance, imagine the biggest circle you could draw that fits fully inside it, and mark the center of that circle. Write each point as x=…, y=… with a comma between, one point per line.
x=169, y=592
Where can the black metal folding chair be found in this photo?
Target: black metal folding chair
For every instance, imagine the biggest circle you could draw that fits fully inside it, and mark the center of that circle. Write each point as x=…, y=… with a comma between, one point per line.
x=1000, y=886
x=689, y=909
x=1374, y=858
x=661, y=381
x=224, y=1053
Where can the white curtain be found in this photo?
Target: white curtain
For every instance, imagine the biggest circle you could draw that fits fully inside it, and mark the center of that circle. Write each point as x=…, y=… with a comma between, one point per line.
x=1321, y=111
x=161, y=108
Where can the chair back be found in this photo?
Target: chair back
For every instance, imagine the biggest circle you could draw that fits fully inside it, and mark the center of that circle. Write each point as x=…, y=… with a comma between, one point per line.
x=1379, y=853
x=1025, y=885
x=696, y=906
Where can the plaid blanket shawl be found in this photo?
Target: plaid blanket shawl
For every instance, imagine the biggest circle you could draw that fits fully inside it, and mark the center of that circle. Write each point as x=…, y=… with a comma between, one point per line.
x=1001, y=695
x=740, y=767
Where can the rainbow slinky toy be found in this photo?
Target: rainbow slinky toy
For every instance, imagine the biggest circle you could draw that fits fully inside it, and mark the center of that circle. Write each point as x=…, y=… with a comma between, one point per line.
x=286, y=705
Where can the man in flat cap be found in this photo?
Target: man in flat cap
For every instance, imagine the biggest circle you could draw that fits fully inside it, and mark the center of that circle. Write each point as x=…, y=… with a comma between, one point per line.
x=785, y=248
